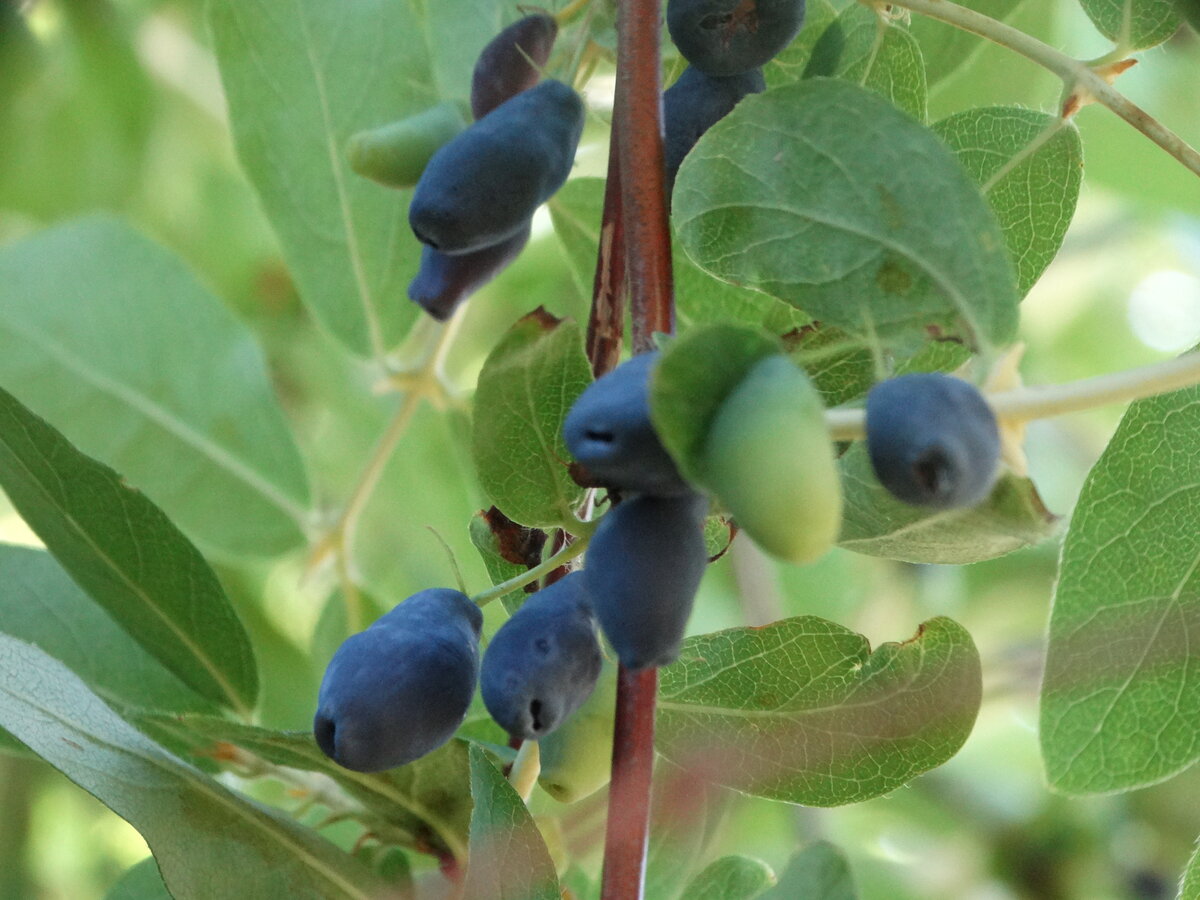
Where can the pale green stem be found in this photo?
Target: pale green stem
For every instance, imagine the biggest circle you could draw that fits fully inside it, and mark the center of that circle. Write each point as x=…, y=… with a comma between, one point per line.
x=1044, y=401
x=525, y=770
x=546, y=566
x=1077, y=76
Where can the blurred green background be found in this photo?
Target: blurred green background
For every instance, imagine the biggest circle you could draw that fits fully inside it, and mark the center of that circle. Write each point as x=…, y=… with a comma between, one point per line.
x=116, y=105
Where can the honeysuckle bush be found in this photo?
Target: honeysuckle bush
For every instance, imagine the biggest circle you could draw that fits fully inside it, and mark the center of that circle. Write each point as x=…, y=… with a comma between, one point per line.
x=229, y=441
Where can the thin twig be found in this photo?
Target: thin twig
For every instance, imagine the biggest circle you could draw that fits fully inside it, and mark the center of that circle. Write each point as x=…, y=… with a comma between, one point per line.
x=1082, y=81
x=1043, y=401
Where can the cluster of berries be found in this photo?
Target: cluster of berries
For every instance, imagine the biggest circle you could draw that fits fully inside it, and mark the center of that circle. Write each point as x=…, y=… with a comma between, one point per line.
x=402, y=688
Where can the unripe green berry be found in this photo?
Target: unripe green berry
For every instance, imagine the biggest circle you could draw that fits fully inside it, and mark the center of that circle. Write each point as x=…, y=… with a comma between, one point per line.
x=769, y=461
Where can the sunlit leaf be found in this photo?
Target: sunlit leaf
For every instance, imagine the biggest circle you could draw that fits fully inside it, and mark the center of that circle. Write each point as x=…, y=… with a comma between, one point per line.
x=1029, y=165
x=301, y=77
x=803, y=711
x=788, y=65
x=1134, y=24
x=1121, y=694
x=114, y=341
x=39, y=603
x=208, y=841
x=122, y=550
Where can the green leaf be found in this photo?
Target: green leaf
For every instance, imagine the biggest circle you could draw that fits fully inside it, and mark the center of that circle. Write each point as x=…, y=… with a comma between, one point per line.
x=840, y=366
x=803, y=711
x=788, y=66
x=1029, y=166
x=509, y=859
x=846, y=217
x=945, y=47
x=1134, y=24
x=140, y=882
x=301, y=78
x=1190, y=888
x=576, y=211
x=41, y=605
x=818, y=872
x=122, y=550
x=693, y=377
x=528, y=384
x=507, y=550
x=1121, y=694
x=877, y=524
x=683, y=815
x=732, y=878
x=863, y=47
x=208, y=841
x=426, y=800
x=112, y=339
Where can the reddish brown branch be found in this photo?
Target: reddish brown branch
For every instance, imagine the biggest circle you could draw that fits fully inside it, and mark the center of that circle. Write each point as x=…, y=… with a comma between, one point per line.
x=636, y=160
x=638, y=106
x=629, y=795
x=606, y=324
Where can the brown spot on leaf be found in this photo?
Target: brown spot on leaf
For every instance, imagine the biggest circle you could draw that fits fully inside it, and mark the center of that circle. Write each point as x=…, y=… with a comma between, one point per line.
x=516, y=544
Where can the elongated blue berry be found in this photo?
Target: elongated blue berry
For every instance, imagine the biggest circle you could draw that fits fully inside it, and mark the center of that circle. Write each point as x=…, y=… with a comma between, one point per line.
x=401, y=688
x=643, y=568
x=609, y=431
x=696, y=102
x=482, y=187
x=443, y=281
x=543, y=662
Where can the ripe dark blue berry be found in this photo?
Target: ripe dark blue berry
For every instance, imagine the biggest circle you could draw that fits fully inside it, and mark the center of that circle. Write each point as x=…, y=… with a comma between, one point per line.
x=696, y=102
x=445, y=281
x=401, y=688
x=725, y=37
x=643, y=568
x=933, y=440
x=543, y=662
x=504, y=66
x=609, y=431
x=483, y=187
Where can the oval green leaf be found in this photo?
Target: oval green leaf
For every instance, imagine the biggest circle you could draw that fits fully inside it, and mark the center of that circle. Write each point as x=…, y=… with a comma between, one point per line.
x=300, y=78
x=1121, y=692
x=864, y=48
x=1134, y=24
x=847, y=217
x=509, y=859
x=1029, y=165
x=122, y=550
x=529, y=382
x=731, y=878
x=112, y=339
x=803, y=711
